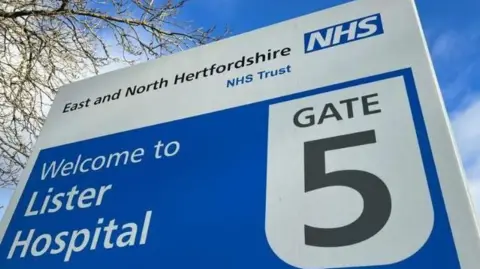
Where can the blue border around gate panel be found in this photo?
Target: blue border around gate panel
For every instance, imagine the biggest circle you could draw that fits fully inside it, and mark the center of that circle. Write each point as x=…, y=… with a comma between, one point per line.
x=440, y=244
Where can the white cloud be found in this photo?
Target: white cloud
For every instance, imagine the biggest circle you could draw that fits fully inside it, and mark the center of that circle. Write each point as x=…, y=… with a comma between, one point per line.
x=458, y=91
x=466, y=126
x=455, y=55
x=455, y=45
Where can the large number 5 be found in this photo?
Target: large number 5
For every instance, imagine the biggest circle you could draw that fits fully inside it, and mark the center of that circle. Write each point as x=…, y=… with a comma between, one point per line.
x=377, y=204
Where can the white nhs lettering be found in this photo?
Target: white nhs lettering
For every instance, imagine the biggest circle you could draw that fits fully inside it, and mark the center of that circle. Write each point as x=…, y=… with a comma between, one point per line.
x=343, y=33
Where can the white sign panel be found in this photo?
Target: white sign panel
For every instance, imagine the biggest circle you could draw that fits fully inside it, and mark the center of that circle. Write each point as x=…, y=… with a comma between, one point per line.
x=319, y=142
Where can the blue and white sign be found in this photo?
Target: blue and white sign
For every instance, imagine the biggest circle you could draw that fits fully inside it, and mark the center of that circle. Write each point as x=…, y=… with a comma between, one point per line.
x=319, y=142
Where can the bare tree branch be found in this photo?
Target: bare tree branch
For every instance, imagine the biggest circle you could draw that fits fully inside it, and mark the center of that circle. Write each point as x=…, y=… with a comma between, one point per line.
x=47, y=43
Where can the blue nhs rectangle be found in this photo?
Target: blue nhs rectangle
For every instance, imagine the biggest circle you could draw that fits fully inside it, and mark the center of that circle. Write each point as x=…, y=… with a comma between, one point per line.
x=343, y=33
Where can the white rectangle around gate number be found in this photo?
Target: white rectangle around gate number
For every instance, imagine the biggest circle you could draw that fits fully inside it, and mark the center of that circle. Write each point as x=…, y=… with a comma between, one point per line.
x=328, y=174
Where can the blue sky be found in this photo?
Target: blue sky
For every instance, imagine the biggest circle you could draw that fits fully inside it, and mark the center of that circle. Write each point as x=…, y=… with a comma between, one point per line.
x=452, y=29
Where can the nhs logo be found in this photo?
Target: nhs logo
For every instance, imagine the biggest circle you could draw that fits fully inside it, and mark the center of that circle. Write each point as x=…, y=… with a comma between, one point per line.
x=343, y=33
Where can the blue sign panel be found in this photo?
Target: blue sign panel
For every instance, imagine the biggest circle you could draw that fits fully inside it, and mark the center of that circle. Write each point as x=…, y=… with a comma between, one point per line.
x=192, y=193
